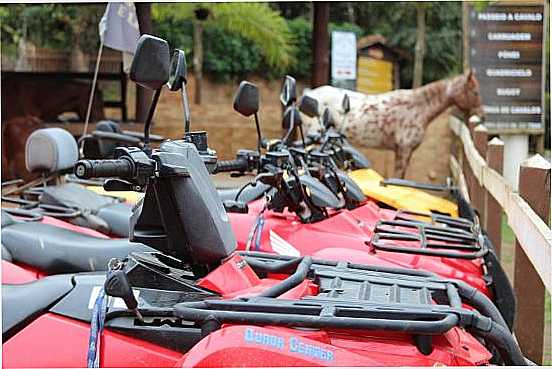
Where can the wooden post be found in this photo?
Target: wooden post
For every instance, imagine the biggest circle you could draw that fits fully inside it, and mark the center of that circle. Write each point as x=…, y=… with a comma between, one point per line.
x=198, y=60
x=480, y=138
x=320, y=44
x=470, y=178
x=495, y=158
x=534, y=188
x=143, y=96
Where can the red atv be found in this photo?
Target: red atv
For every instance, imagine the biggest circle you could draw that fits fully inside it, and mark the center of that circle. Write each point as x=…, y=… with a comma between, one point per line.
x=196, y=302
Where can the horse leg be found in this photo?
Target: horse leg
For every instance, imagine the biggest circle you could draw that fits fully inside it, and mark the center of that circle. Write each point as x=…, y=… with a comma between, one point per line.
x=402, y=158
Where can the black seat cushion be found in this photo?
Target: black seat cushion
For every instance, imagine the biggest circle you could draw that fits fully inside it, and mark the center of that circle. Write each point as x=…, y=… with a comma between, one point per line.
x=57, y=250
x=22, y=302
x=248, y=194
x=117, y=216
x=103, y=213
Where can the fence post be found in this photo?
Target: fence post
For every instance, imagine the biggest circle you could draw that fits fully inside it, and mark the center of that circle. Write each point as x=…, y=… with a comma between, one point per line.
x=495, y=159
x=466, y=168
x=480, y=138
x=534, y=188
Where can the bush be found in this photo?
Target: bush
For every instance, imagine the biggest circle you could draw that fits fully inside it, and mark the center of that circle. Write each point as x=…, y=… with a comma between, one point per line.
x=301, y=29
x=228, y=57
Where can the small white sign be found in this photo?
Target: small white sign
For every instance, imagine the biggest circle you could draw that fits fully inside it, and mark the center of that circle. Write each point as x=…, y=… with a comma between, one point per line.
x=344, y=55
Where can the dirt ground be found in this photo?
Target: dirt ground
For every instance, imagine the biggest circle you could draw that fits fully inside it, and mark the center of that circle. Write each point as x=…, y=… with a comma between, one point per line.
x=228, y=131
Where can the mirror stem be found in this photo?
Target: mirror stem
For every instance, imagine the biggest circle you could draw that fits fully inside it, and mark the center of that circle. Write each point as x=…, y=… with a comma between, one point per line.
x=302, y=136
x=290, y=129
x=186, y=105
x=147, y=125
x=258, y=126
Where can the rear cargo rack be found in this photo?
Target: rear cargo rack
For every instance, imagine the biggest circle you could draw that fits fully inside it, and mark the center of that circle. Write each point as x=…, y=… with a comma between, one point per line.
x=361, y=297
x=442, y=236
x=437, y=219
x=417, y=185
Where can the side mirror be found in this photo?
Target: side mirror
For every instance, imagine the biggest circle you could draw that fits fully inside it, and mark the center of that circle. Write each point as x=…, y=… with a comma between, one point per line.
x=346, y=104
x=292, y=118
x=309, y=106
x=246, y=100
x=327, y=119
x=177, y=71
x=150, y=65
x=289, y=91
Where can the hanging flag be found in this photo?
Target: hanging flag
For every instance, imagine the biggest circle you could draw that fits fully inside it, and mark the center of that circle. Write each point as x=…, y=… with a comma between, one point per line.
x=119, y=30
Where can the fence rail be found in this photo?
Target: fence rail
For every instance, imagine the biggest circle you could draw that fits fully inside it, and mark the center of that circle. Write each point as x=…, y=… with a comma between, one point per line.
x=528, y=212
x=533, y=234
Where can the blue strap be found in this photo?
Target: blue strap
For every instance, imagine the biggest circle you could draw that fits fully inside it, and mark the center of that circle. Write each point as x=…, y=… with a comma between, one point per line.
x=260, y=225
x=96, y=327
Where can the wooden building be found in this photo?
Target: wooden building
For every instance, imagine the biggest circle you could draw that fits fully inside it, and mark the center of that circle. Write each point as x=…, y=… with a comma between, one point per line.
x=378, y=65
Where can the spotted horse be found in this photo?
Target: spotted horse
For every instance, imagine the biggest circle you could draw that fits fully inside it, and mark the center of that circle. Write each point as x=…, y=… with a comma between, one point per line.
x=396, y=120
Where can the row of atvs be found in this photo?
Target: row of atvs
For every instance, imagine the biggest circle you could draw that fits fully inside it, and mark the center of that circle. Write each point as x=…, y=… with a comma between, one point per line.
x=312, y=263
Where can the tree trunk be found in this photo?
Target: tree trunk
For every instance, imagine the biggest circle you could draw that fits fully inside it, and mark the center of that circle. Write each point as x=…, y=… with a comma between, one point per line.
x=351, y=12
x=465, y=34
x=198, y=60
x=78, y=61
x=143, y=96
x=320, y=44
x=420, y=46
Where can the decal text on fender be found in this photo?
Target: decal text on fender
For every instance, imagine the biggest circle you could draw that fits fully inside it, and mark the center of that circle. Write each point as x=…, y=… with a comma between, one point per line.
x=295, y=345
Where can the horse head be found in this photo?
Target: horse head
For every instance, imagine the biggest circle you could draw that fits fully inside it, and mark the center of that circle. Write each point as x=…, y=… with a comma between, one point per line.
x=464, y=93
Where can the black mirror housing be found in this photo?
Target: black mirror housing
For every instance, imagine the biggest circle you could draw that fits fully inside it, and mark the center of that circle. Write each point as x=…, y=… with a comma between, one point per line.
x=177, y=70
x=287, y=122
x=327, y=121
x=289, y=91
x=309, y=106
x=346, y=104
x=246, y=100
x=150, y=65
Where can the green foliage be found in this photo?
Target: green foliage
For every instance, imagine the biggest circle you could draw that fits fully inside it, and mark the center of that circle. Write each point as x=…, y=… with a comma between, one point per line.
x=254, y=22
x=58, y=26
x=258, y=23
x=228, y=56
x=302, y=29
x=178, y=33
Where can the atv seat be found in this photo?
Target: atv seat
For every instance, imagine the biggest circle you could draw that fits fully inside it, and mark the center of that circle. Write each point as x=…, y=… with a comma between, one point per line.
x=22, y=302
x=103, y=213
x=247, y=195
x=55, y=250
x=52, y=150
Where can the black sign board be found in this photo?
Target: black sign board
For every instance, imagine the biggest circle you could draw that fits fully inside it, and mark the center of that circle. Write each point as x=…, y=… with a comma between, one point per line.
x=506, y=45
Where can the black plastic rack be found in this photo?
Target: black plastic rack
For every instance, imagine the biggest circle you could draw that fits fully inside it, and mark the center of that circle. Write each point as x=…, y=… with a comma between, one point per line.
x=360, y=297
x=443, y=236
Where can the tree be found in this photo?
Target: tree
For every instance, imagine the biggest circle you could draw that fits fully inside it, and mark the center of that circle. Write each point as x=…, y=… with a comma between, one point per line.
x=255, y=22
x=419, y=49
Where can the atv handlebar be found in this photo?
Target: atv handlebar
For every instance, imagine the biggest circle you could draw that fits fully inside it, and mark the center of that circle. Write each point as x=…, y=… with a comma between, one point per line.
x=121, y=168
x=234, y=165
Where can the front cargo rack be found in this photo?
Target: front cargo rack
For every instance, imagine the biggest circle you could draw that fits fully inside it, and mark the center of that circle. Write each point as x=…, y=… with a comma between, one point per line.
x=441, y=235
x=361, y=297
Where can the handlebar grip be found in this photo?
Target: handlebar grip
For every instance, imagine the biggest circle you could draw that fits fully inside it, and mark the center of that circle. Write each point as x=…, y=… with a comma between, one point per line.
x=121, y=168
x=235, y=165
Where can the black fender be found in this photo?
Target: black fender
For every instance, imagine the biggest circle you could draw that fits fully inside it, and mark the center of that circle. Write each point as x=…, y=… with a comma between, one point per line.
x=320, y=195
x=360, y=161
x=353, y=191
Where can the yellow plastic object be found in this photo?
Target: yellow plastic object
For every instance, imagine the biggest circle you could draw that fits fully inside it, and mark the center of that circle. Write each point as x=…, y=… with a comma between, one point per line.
x=400, y=197
x=129, y=196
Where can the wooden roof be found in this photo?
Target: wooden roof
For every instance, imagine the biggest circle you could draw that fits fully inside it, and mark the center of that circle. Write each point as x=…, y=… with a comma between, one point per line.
x=379, y=40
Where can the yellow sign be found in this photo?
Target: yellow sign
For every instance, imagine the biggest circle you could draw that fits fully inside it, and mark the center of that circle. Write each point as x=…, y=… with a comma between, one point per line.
x=374, y=76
